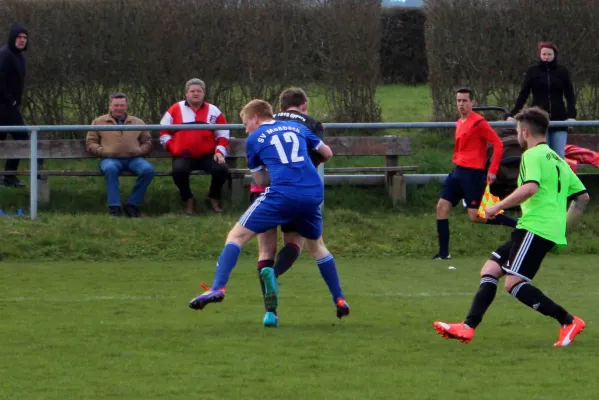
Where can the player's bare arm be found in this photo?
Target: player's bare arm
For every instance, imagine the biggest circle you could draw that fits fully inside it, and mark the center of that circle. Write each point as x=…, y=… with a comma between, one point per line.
x=261, y=177
x=577, y=207
x=517, y=197
x=494, y=140
x=325, y=152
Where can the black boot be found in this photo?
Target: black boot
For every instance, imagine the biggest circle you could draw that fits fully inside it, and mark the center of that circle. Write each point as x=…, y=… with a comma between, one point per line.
x=12, y=181
x=132, y=211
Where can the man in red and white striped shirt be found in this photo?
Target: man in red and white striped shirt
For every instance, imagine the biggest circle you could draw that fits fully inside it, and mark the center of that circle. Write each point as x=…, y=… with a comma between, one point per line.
x=196, y=149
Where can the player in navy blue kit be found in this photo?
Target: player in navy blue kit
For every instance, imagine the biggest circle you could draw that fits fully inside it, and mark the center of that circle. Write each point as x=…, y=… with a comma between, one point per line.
x=277, y=153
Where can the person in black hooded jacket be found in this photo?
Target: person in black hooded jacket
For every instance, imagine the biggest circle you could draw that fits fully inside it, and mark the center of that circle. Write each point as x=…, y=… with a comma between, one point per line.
x=549, y=82
x=12, y=83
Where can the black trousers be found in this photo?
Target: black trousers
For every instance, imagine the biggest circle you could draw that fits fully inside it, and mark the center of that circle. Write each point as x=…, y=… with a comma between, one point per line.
x=11, y=116
x=182, y=168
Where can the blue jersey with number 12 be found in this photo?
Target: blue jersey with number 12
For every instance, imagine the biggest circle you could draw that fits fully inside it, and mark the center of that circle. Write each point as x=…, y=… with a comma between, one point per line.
x=282, y=148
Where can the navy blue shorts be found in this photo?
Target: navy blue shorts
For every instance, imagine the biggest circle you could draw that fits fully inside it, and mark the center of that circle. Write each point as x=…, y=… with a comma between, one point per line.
x=464, y=183
x=272, y=209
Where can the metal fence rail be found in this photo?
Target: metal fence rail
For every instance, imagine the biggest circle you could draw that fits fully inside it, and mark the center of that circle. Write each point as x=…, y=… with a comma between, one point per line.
x=35, y=130
x=332, y=125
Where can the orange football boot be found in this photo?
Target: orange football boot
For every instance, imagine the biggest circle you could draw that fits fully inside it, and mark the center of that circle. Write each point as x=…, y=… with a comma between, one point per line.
x=457, y=331
x=567, y=333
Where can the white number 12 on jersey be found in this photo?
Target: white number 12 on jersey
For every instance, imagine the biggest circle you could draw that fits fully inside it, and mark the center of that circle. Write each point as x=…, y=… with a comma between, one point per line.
x=290, y=137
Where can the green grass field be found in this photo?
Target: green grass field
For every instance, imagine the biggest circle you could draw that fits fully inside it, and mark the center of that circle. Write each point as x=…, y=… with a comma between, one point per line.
x=124, y=331
x=96, y=308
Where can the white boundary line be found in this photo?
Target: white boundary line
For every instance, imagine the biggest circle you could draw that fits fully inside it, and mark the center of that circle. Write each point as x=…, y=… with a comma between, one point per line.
x=84, y=299
x=161, y=297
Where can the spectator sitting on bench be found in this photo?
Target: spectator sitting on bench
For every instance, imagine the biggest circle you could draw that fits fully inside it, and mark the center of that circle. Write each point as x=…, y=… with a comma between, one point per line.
x=196, y=149
x=122, y=151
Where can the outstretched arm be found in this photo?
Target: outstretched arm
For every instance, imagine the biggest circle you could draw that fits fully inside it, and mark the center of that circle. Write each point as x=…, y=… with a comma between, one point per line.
x=4, y=92
x=570, y=96
x=325, y=152
x=261, y=177
x=491, y=137
x=577, y=207
x=523, y=95
x=519, y=196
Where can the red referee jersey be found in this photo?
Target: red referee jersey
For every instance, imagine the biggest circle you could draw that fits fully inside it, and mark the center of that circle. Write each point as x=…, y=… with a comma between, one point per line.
x=471, y=138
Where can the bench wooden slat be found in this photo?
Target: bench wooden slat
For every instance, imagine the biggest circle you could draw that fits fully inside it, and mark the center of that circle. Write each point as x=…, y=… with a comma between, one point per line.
x=75, y=148
x=389, y=147
x=369, y=145
x=369, y=169
x=232, y=171
x=341, y=146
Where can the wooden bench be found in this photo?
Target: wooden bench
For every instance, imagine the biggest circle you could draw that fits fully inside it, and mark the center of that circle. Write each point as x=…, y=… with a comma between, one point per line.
x=391, y=147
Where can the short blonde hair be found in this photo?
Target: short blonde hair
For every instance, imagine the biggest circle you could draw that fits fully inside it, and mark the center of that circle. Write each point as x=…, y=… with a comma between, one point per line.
x=258, y=108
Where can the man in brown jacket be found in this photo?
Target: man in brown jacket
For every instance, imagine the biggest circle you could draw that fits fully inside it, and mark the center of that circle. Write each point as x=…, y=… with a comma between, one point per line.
x=122, y=151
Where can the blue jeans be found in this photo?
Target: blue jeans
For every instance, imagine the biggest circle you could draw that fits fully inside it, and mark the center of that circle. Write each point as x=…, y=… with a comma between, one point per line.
x=557, y=141
x=112, y=167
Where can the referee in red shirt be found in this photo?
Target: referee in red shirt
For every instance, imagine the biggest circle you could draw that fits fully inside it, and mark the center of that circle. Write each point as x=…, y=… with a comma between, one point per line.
x=467, y=181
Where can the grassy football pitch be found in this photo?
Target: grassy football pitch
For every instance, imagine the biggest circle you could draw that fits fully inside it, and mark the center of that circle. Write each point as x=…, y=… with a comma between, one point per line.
x=124, y=331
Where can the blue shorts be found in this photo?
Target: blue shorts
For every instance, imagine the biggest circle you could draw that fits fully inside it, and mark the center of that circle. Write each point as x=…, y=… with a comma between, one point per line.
x=464, y=183
x=272, y=209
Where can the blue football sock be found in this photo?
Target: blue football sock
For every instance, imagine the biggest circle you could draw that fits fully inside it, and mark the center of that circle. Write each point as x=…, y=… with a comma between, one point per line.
x=328, y=270
x=226, y=263
x=503, y=220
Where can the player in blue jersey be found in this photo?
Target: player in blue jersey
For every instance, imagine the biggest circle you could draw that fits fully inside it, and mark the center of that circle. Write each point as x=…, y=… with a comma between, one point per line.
x=277, y=153
x=294, y=107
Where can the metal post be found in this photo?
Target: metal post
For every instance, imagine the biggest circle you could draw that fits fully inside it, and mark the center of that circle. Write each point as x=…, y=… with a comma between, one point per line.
x=33, y=169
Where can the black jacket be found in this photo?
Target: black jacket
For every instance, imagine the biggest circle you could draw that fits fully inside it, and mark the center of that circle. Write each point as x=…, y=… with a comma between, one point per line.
x=12, y=69
x=306, y=120
x=549, y=83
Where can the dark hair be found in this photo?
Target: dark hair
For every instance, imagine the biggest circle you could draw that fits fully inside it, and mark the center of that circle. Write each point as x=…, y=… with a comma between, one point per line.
x=119, y=95
x=546, y=45
x=535, y=119
x=292, y=97
x=466, y=90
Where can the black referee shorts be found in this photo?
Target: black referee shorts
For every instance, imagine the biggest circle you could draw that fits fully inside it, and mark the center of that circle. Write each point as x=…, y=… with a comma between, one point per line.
x=464, y=183
x=523, y=254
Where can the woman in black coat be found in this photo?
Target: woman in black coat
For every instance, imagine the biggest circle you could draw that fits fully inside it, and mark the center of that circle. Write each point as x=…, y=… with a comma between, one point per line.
x=549, y=82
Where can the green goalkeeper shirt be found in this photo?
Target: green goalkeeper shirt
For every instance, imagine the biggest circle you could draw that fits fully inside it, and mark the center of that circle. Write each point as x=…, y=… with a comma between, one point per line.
x=545, y=213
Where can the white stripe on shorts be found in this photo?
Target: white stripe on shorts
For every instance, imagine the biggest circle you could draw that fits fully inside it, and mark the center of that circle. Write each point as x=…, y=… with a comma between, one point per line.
x=248, y=213
x=521, y=254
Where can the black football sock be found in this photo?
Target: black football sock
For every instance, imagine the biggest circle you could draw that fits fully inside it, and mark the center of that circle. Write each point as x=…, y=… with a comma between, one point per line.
x=503, y=220
x=535, y=299
x=263, y=264
x=443, y=233
x=482, y=300
x=285, y=258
